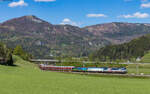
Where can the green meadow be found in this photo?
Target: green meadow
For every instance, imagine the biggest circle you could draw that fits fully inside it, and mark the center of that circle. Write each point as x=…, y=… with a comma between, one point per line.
x=26, y=78
x=146, y=58
x=143, y=69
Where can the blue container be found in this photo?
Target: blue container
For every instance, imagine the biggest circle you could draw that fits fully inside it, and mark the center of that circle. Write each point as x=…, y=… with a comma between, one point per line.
x=81, y=69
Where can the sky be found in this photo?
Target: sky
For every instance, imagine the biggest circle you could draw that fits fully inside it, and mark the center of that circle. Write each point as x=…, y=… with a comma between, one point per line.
x=78, y=12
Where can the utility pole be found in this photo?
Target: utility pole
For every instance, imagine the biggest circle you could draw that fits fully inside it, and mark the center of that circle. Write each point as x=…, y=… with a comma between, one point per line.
x=137, y=65
x=137, y=69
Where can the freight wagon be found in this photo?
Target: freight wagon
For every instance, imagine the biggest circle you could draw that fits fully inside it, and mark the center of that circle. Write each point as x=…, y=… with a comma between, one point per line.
x=83, y=69
x=55, y=68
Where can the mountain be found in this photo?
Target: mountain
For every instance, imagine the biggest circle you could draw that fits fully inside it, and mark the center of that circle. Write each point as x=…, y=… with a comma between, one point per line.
x=43, y=39
x=118, y=32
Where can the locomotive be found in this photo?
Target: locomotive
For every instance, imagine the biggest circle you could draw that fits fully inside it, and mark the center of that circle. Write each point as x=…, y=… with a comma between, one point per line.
x=83, y=69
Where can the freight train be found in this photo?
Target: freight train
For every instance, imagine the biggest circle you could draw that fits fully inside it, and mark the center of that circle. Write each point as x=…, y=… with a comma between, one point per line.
x=83, y=69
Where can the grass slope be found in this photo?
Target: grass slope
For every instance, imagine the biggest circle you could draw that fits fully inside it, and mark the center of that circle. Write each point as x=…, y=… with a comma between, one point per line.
x=146, y=58
x=26, y=78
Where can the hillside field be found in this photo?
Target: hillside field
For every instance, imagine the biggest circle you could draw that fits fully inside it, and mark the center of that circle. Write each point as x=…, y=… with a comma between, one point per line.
x=146, y=58
x=26, y=78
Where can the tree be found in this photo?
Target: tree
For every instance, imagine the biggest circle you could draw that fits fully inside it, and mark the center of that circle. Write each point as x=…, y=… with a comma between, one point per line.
x=20, y=52
x=5, y=55
x=10, y=59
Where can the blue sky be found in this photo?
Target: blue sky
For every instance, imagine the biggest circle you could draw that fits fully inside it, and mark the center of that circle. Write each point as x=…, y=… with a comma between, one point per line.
x=78, y=12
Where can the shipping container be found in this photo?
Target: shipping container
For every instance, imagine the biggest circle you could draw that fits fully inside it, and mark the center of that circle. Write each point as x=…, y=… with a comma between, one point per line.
x=95, y=69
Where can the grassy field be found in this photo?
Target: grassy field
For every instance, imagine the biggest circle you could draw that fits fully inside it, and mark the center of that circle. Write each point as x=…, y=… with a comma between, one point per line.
x=143, y=68
x=26, y=78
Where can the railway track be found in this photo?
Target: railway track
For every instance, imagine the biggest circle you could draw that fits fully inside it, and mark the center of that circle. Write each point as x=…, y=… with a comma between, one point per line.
x=107, y=74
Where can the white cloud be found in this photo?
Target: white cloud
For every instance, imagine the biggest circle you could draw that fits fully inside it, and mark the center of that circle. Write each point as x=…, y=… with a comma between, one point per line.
x=66, y=20
x=44, y=0
x=96, y=15
x=136, y=15
x=145, y=5
x=19, y=3
x=69, y=21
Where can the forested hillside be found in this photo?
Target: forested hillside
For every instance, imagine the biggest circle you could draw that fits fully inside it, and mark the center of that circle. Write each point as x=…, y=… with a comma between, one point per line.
x=134, y=49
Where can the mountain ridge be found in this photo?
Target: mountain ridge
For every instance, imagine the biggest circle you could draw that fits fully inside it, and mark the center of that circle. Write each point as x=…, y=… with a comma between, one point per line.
x=44, y=39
